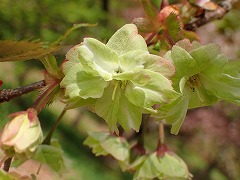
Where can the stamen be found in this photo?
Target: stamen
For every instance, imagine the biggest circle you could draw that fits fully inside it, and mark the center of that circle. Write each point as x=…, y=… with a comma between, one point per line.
x=114, y=91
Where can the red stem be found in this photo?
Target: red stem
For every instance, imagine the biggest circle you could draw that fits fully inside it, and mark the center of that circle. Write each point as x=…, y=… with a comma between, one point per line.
x=40, y=103
x=148, y=40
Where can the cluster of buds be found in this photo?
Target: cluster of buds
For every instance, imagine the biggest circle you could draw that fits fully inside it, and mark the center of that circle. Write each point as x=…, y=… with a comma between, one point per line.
x=22, y=134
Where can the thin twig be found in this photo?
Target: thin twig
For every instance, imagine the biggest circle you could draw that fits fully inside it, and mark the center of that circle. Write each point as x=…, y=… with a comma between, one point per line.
x=209, y=16
x=8, y=94
x=48, y=138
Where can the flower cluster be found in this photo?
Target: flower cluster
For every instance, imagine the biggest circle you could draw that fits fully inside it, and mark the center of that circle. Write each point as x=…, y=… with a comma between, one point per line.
x=203, y=77
x=120, y=80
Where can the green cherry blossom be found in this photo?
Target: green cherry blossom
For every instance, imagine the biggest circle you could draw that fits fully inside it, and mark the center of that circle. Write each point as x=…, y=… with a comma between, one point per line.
x=121, y=75
x=202, y=77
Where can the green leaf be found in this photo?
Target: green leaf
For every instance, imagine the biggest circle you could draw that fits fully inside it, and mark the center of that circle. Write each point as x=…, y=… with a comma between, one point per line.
x=26, y=50
x=150, y=11
x=117, y=147
x=192, y=36
x=173, y=27
x=173, y=167
x=94, y=141
x=23, y=50
x=168, y=166
x=127, y=39
x=5, y=176
x=79, y=83
x=148, y=168
x=70, y=30
x=157, y=3
x=143, y=25
x=103, y=144
x=51, y=156
x=51, y=66
x=137, y=163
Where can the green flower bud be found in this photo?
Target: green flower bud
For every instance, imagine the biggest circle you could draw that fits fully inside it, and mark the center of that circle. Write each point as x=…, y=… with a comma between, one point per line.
x=22, y=135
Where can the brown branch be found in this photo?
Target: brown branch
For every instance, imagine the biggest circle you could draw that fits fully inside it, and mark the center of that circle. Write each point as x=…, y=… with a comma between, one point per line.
x=8, y=94
x=209, y=16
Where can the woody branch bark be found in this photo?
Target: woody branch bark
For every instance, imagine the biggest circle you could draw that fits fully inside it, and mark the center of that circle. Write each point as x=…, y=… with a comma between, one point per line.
x=8, y=94
x=209, y=16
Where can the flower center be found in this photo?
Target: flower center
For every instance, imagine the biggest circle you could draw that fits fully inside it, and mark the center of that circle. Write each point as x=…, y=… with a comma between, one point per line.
x=121, y=84
x=193, y=82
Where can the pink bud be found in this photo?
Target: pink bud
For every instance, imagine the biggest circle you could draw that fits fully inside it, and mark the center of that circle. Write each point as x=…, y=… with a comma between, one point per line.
x=22, y=134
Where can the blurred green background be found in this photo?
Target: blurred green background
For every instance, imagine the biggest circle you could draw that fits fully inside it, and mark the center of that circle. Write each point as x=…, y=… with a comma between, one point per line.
x=209, y=139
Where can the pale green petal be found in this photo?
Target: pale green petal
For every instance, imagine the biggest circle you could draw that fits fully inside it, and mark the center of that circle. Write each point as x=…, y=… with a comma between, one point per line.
x=184, y=63
x=200, y=97
x=148, y=169
x=129, y=115
x=204, y=55
x=67, y=65
x=175, y=112
x=232, y=68
x=72, y=54
x=78, y=102
x=93, y=141
x=160, y=65
x=117, y=147
x=215, y=68
x=97, y=58
x=98, y=136
x=187, y=45
x=227, y=88
x=143, y=90
x=71, y=59
x=78, y=83
x=173, y=167
x=124, y=75
x=168, y=56
x=130, y=60
x=127, y=39
x=108, y=106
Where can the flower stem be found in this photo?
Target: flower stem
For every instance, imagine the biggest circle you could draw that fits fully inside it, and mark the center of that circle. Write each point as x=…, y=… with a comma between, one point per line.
x=42, y=100
x=48, y=138
x=148, y=40
x=161, y=133
x=39, y=168
x=170, y=40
